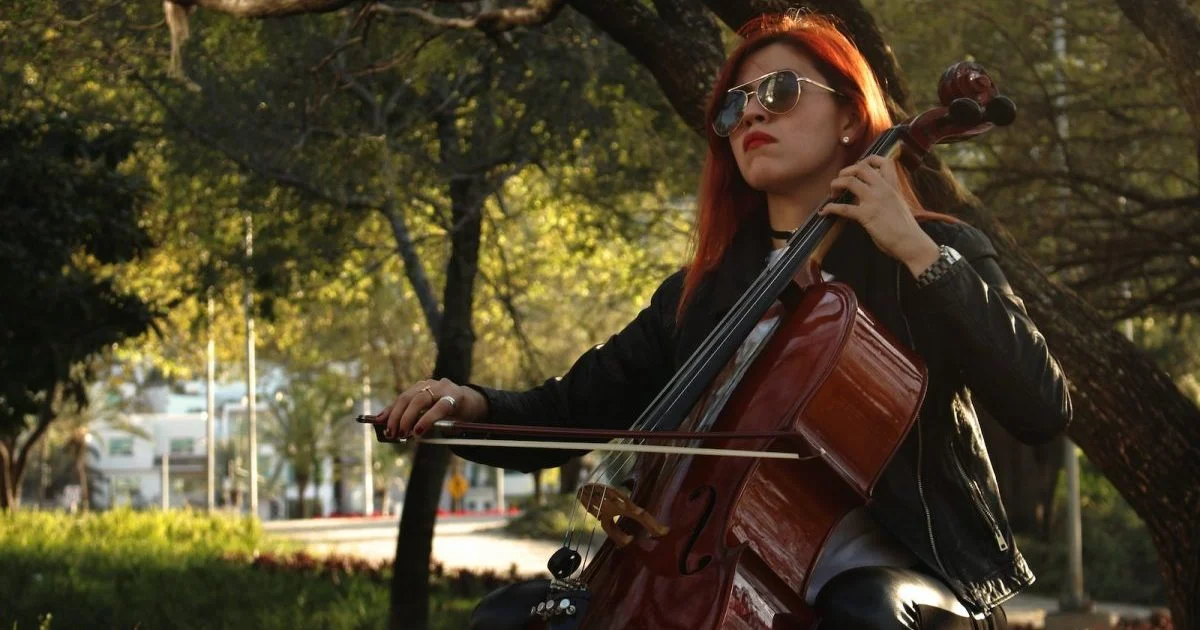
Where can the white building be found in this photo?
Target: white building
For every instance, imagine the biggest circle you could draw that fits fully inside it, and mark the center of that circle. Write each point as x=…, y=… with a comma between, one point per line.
x=132, y=464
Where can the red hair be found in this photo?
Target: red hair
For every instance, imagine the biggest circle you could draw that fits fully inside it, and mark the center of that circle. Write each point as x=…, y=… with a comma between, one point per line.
x=725, y=199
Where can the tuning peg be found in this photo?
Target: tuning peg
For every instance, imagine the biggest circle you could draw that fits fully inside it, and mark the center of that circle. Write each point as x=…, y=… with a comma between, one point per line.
x=1001, y=111
x=563, y=563
x=966, y=111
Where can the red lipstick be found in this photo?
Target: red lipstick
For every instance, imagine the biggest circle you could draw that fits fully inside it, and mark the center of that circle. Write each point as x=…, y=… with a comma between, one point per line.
x=756, y=138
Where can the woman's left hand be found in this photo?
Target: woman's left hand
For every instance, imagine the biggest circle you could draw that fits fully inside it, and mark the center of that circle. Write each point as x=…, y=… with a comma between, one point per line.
x=883, y=212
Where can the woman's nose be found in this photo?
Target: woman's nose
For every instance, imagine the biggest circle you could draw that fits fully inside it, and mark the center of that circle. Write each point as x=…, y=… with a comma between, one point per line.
x=754, y=112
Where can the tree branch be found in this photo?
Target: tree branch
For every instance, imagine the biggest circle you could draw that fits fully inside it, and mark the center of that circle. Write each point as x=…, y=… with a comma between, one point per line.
x=857, y=23
x=538, y=12
x=45, y=417
x=413, y=268
x=354, y=202
x=506, y=293
x=1074, y=178
x=1173, y=28
x=266, y=8
x=683, y=59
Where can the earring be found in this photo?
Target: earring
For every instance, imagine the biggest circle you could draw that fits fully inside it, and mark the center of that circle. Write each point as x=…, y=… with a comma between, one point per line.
x=845, y=139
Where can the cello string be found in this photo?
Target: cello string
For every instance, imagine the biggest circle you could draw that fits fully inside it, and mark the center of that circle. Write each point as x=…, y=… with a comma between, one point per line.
x=568, y=536
x=670, y=462
x=702, y=357
x=771, y=274
x=619, y=460
x=652, y=417
x=592, y=534
x=594, y=480
x=698, y=360
x=599, y=477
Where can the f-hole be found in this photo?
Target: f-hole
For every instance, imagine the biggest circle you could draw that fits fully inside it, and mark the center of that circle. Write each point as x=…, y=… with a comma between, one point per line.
x=710, y=499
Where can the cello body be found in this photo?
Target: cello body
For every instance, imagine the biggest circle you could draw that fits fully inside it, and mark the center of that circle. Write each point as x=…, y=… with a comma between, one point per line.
x=745, y=533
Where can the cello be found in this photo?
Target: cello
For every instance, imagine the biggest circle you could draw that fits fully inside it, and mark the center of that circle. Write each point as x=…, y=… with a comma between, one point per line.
x=697, y=537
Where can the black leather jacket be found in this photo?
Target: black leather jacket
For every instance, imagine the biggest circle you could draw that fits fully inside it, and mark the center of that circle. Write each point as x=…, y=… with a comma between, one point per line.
x=939, y=495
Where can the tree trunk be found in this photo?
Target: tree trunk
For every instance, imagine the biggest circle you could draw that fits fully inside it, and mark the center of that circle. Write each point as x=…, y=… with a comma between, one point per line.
x=81, y=473
x=44, y=477
x=339, y=485
x=538, y=499
x=568, y=479
x=410, y=590
x=1130, y=418
x=682, y=31
x=301, y=489
x=10, y=480
x=1026, y=476
x=14, y=454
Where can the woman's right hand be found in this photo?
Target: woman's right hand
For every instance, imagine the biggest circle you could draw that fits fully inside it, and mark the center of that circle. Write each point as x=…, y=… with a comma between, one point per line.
x=419, y=406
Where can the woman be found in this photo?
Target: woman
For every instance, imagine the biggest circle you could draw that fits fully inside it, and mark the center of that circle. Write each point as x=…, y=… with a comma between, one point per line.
x=793, y=108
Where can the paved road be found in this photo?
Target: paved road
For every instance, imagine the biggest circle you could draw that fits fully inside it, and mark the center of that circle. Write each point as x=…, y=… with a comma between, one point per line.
x=477, y=543
x=459, y=542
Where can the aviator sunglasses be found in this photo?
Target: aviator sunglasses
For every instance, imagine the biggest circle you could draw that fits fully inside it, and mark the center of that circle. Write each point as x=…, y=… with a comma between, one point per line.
x=777, y=92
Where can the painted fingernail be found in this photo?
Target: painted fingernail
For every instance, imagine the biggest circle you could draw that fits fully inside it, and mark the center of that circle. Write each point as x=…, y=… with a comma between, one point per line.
x=420, y=430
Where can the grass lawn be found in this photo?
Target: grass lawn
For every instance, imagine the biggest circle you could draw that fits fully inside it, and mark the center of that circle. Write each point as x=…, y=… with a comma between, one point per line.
x=125, y=569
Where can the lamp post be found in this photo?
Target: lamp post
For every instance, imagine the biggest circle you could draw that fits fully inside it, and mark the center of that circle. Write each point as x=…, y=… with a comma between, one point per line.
x=166, y=481
x=251, y=378
x=368, y=435
x=210, y=410
x=1073, y=598
x=500, y=490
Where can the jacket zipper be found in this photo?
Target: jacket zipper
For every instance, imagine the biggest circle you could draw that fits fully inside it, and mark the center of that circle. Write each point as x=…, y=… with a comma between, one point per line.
x=920, y=442
x=979, y=501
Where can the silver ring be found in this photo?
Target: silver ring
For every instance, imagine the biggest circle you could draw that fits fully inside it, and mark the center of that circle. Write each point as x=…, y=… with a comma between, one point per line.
x=449, y=399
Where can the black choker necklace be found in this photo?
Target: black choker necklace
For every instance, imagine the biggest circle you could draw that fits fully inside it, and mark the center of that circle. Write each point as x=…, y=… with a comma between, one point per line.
x=782, y=235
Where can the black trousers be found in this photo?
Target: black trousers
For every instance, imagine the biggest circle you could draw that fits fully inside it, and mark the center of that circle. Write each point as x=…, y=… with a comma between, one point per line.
x=870, y=598
x=885, y=598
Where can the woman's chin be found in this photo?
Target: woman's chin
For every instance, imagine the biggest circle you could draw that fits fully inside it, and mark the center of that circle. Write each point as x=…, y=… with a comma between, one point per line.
x=771, y=182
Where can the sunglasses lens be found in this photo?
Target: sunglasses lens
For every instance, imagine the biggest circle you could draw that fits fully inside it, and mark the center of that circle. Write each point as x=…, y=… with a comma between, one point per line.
x=730, y=114
x=778, y=92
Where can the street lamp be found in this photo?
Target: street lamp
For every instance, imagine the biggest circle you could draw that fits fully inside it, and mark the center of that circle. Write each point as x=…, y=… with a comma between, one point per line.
x=166, y=480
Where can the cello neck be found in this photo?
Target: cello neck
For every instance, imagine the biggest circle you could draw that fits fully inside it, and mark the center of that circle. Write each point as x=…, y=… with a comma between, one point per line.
x=820, y=232
x=815, y=237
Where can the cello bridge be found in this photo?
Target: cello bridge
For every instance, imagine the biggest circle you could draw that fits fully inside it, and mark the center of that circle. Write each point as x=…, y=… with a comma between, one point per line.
x=608, y=504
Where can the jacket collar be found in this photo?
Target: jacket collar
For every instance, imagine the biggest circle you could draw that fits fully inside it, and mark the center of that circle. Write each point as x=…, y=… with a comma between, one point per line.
x=851, y=260
x=721, y=287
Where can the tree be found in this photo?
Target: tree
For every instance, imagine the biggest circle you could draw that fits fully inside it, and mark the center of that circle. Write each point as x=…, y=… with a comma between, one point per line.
x=75, y=429
x=485, y=117
x=307, y=417
x=1133, y=422
x=1131, y=419
x=67, y=215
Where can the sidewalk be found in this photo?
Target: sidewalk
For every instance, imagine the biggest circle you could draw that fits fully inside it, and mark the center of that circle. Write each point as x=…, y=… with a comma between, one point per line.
x=1027, y=608
x=476, y=543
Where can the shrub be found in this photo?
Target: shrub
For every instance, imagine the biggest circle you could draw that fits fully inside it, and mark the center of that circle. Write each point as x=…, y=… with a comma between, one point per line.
x=552, y=519
x=1120, y=562
x=125, y=569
